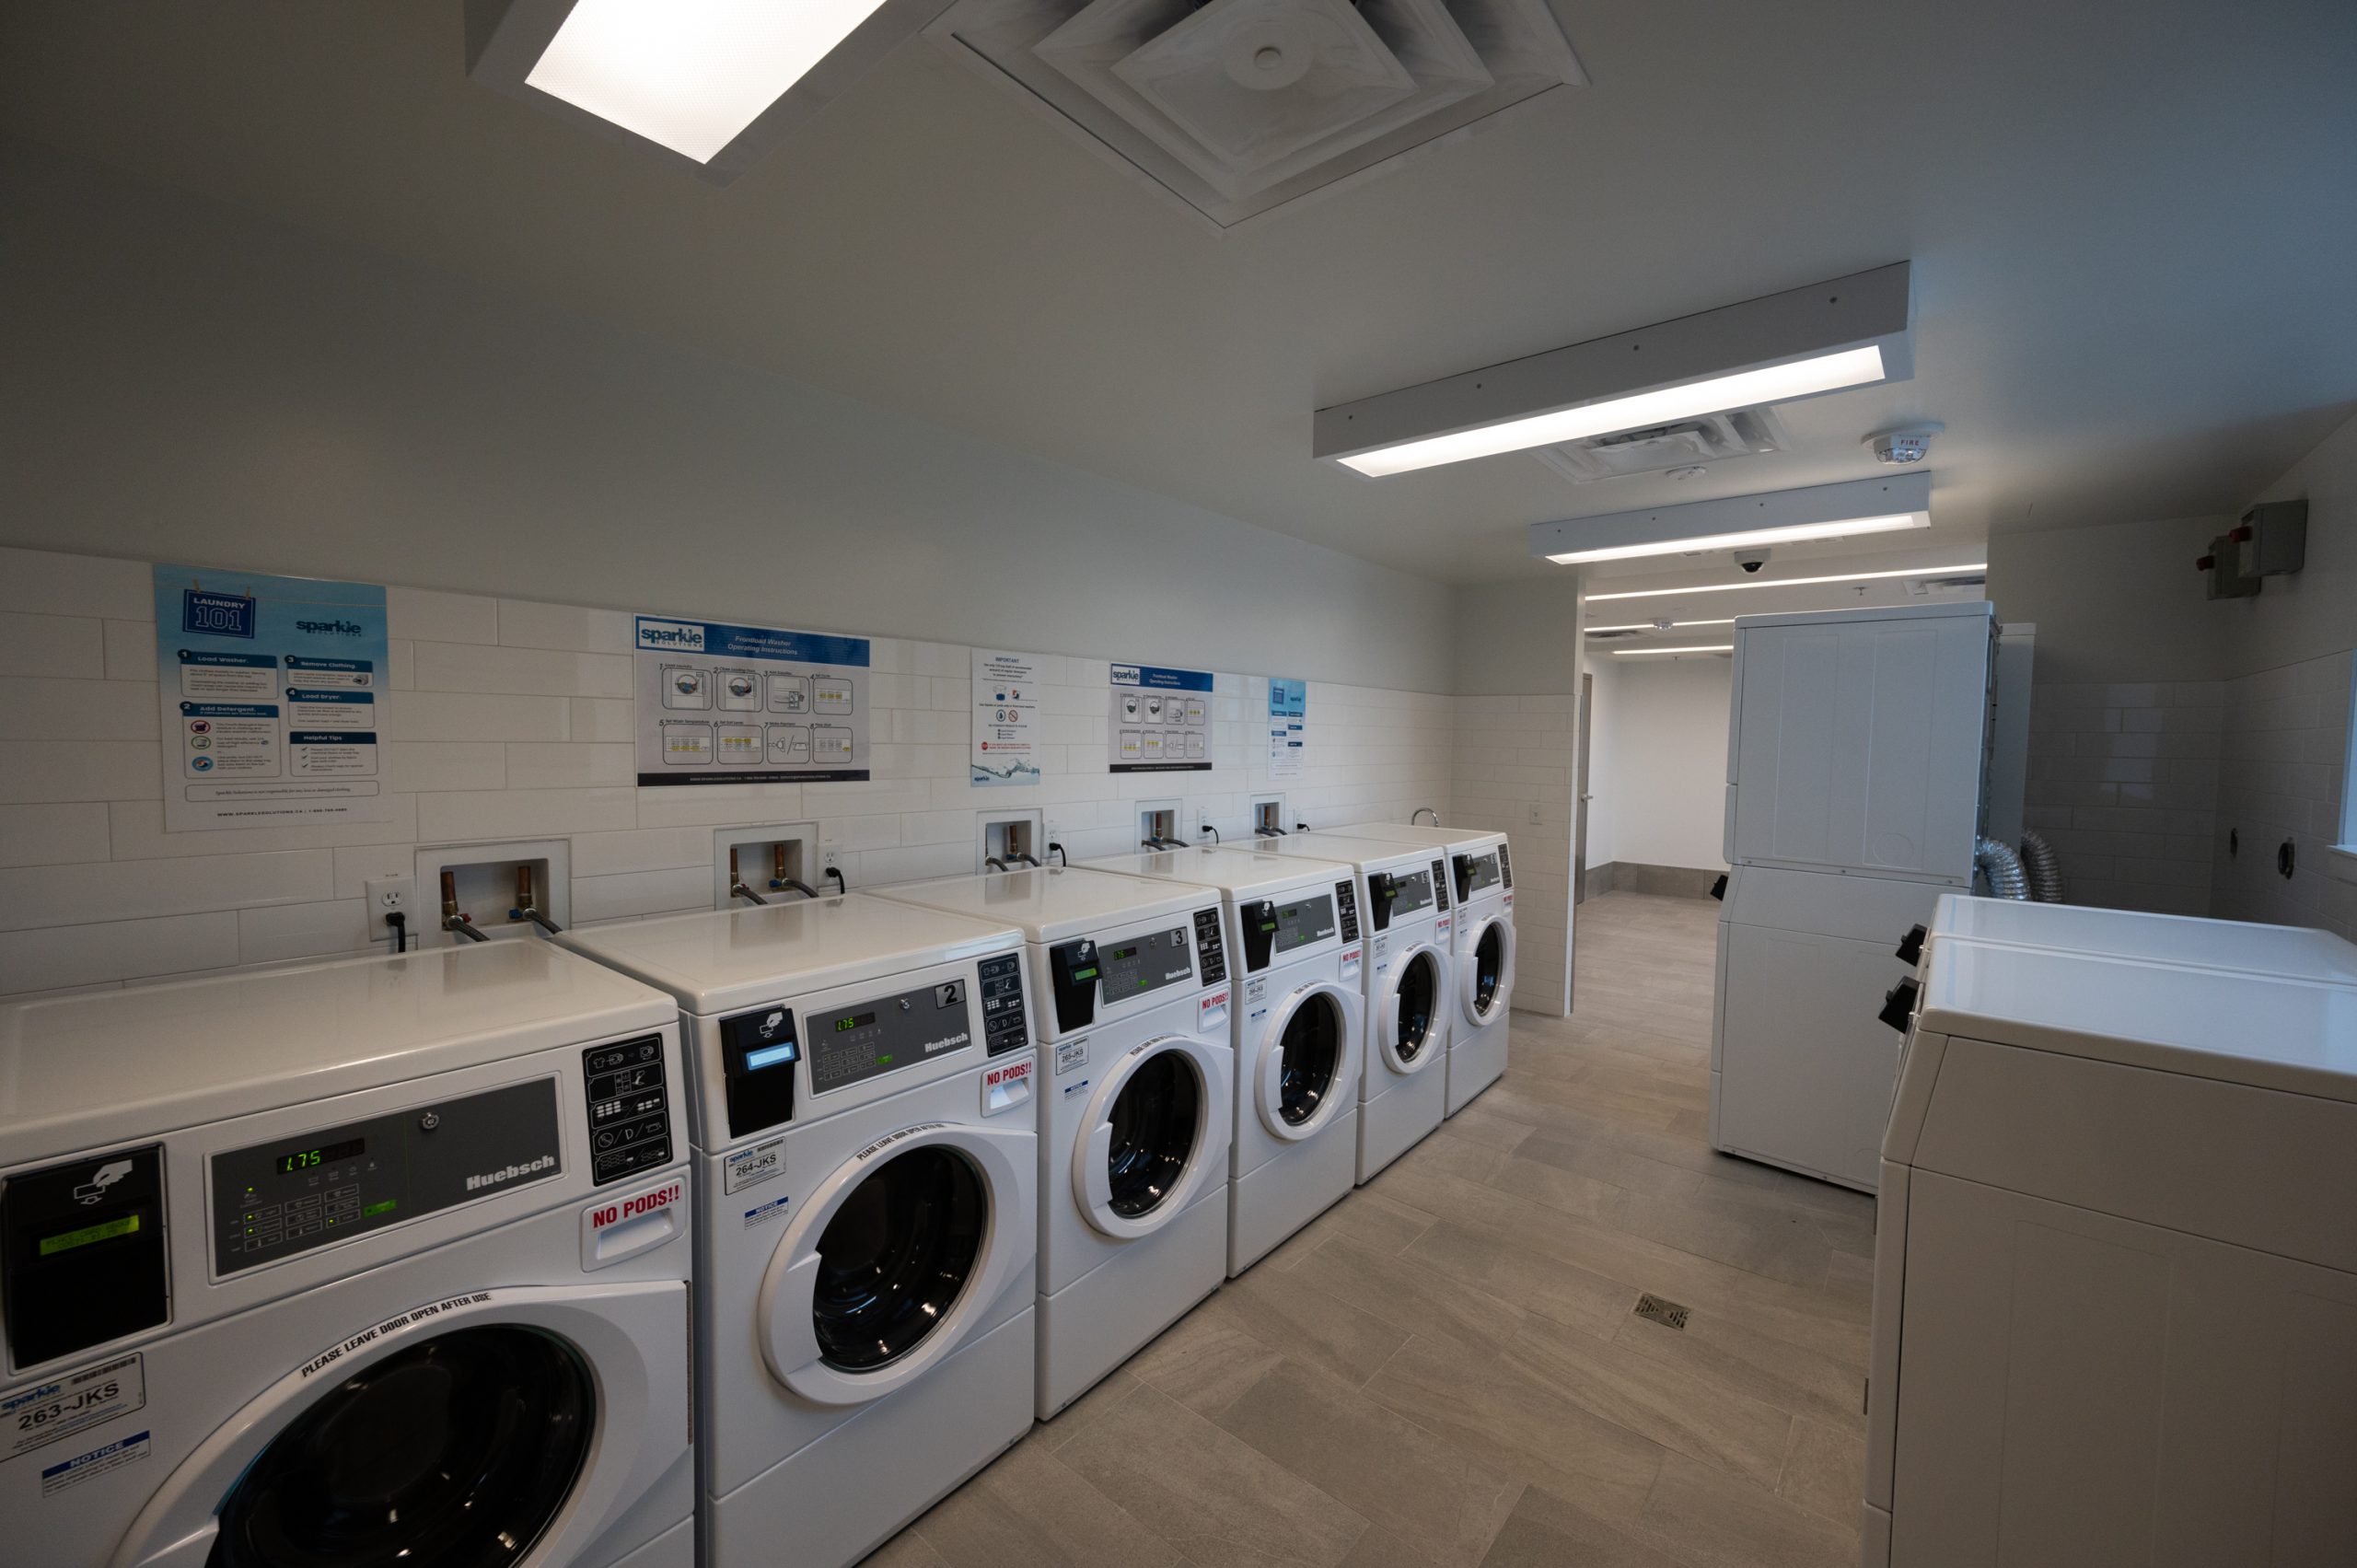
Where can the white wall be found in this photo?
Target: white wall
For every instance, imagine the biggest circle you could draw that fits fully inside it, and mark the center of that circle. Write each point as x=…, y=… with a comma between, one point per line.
x=2312, y=612
x=1658, y=769
x=185, y=384
x=2122, y=603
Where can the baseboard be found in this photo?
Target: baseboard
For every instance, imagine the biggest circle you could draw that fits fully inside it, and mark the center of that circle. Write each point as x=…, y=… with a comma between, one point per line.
x=1665, y=881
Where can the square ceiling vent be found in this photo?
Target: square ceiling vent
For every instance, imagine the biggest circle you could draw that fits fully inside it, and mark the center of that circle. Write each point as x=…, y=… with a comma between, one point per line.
x=1685, y=443
x=1239, y=107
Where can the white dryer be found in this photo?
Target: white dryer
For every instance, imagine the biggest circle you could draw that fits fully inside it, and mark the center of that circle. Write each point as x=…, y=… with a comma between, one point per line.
x=1299, y=1032
x=868, y=1170
x=326, y=1265
x=1410, y=991
x=1136, y=1103
x=1480, y=872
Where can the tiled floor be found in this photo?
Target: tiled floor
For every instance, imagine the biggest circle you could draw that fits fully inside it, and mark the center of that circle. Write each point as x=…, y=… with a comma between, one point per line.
x=1445, y=1368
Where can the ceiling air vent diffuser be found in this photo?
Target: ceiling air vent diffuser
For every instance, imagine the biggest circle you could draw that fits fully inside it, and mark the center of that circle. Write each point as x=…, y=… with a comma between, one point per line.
x=1710, y=438
x=1240, y=106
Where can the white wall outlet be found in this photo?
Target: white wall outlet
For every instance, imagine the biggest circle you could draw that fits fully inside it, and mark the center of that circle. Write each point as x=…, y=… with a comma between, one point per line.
x=391, y=895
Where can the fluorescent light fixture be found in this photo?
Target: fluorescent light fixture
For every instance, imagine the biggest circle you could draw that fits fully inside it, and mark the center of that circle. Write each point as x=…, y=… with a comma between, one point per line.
x=718, y=83
x=1849, y=332
x=1778, y=517
x=1649, y=626
x=1964, y=569
x=1700, y=648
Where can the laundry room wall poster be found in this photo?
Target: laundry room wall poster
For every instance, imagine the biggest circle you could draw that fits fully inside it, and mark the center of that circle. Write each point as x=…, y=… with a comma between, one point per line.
x=1162, y=720
x=721, y=705
x=270, y=690
x=1006, y=719
x=1288, y=726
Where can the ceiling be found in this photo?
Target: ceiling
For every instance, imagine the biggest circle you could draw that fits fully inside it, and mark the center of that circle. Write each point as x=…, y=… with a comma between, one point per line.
x=2131, y=232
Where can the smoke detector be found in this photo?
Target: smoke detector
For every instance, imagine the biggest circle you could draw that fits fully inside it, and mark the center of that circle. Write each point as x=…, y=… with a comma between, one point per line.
x=1910, y=444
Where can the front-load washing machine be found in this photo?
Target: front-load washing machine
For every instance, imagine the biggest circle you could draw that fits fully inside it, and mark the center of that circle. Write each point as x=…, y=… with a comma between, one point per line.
x=1298, y=1028
x=1403, y=1091
x=868, y=1171
x=1136, y=1101
x=373, y=1261
x=1480, y=874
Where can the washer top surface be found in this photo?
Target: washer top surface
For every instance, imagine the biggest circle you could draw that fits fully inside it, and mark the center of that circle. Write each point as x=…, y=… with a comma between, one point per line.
x=1468, y=839
x=720, y=960
x=1370, y=853
x=2264, y=1030
x=1055, y=903
x=1241, y=872
x=2291, y=950
x=77, y=1072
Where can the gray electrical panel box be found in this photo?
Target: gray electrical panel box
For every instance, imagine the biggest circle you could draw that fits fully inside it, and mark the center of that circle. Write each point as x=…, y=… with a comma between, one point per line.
x=2277, y=545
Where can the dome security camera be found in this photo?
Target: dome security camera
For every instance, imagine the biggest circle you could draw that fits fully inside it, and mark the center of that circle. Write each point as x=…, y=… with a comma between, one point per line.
x=1751, y=560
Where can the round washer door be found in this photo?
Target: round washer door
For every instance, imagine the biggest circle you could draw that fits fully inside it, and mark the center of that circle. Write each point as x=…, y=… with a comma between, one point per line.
x=1306, y=1065
x=1410, y=1009
x=504, y=1427
x=1155, y=1131
x=890, y=1261
x=1485, y=972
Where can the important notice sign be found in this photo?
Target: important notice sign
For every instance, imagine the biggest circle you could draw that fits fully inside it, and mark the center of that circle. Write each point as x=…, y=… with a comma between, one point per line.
x=270, y=690
x=1006, y=719
x=747, y=705
x=1161, y=720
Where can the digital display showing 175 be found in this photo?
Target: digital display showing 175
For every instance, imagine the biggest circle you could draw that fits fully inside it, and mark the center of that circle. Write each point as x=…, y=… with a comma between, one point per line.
x=308, y=1159
x=855, y=1021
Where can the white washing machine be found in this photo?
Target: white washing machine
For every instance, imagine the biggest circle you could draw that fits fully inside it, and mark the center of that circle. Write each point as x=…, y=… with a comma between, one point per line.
x=867, y=1168
x=1137, y=1098
x=1480, y=872
x=1410, y=1002
x=323, y=1265
x=1299, y=1029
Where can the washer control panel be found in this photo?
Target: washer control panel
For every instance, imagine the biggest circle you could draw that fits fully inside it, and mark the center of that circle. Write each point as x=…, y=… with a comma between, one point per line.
x=272, y=1201
x=1210, y=949
x=1440, y=886
x=850, y=1045
x=630, y=1108
x=1346, y=899
x=1004, y=1026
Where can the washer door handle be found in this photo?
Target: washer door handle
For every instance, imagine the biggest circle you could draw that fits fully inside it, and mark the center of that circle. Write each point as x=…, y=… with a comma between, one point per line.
x=792, y=1342
x=1096, y=1171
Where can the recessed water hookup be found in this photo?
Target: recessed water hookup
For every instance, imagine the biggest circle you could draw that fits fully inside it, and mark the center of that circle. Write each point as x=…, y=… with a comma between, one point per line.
x=757, y=865
x=497, y=892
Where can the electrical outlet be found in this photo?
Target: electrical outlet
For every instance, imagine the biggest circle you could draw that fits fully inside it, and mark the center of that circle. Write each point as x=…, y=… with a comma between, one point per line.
x=391, y=895
x=1534, y=814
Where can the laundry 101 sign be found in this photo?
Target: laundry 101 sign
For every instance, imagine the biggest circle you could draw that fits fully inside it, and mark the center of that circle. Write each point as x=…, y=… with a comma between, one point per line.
x=1161, y=720
x=269, y=691
x=747, y=705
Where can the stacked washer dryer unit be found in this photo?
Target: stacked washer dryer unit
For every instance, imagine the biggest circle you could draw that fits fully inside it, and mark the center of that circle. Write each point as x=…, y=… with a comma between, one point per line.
x=1403, y=1090
x=1136, y=1102
x=868, y=1181
x=338, y=1264
x=1295, y=953
x=1480, y=874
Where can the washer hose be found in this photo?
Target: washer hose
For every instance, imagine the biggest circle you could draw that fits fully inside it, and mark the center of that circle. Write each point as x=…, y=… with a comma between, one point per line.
x=2044, y=868
x=2004, y=869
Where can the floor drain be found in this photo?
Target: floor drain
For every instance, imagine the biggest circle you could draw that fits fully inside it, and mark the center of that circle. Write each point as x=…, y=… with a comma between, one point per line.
x=1668, y=1314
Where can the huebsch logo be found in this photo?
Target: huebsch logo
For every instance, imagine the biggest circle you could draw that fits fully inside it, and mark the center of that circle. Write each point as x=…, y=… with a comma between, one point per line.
x=676, y=636
x=507, y=1173
x=329, y=628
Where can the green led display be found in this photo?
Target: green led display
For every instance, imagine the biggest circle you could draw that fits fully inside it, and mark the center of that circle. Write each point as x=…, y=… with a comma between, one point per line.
x=105, y=1230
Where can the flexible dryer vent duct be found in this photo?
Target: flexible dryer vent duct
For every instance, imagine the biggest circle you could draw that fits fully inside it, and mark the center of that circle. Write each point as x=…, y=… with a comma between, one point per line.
x=2004, y=869
x=2045, y=871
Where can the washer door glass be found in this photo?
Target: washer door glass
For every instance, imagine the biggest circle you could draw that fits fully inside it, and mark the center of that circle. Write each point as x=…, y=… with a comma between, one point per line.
x=1419, y=996
x=1489, y=966
x=1153, y=1119
x=456, y=1451
x=895, y=1257
x=1312, y=1051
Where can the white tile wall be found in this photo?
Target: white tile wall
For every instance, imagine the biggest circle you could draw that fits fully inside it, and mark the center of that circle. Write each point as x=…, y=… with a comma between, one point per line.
x=2284, y=776
x=2123, y=783
x=1513, y=753
x=511, y=720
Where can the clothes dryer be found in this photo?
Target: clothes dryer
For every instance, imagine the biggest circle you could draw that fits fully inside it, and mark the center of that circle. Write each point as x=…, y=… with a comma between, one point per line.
x=868, y=1165
x=338, y=1263
x=1409, y=975
x=1292, y=929
x=1136, y=1100
x=1480, y=871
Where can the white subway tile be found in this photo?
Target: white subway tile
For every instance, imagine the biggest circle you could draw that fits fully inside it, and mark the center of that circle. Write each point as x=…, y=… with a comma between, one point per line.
x=540, y=765
x=424, y=615
x=601, y=718
x=132, y=889
x=460, y=715
x=56, y=647
x=642, y=892
x=449, y=667
x=414, y=765
x=131, y=650
x=526, y=623
x=642, y=849
x=303, y=930
x=64, y=956
x=400, y=665
x=80, y=585
x=136, y=828
x=523, y=814
x=719, y=805
x=355, y=865
x=81, y=770
x=55, y=834
x=34, y=709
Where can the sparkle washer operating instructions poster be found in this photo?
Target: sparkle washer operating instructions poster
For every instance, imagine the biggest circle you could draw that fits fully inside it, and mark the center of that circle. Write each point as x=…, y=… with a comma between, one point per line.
x=271, y=691
x=718, y=704
x=1160, y=720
